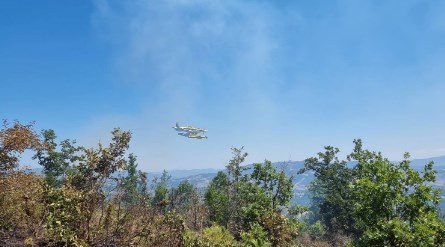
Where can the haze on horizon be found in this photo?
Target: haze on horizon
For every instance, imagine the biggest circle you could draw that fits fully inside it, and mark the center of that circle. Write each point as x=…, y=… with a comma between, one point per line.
x=281, y=78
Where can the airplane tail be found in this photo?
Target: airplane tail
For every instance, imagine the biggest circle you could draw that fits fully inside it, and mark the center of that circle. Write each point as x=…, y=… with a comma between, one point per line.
x=177, y=125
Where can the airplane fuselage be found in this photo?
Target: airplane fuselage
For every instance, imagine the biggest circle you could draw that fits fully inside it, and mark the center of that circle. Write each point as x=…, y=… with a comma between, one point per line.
x=190, y=132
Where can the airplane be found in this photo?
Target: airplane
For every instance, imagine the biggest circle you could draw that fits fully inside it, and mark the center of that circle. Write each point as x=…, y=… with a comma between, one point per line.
x=184, y=134
x=192, y=135
x=197, y=136
x=189, y=129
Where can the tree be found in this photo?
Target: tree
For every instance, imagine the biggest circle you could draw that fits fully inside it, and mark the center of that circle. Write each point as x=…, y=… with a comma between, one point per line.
x=223, y=196
x=130, y=181
x=330, y=192
x=240, y=200
x=381, y=203
x=275, y=184
x=56, y=163
x=142, y=185
x=160, y=198
x=235, y=198
x=217, y=199
x=14, y=141
x=180, y=197
x=98, y=164
x=266, y=192
x=92, y=174
x=394, y=205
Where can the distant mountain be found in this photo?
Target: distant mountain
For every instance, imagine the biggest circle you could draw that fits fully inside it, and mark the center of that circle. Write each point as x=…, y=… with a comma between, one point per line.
x=185, y=173
x=301, y=181
x=38, y=170
x=439, y=162
x=201, y=177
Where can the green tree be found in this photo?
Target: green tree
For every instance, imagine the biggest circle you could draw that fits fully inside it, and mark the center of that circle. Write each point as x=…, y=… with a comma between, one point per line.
x=180, y=197
x=255, y=237
x=161, y=193
x=266, y=191
x=379, y=202
x=130, y=181
x=240, y=200
x=142, y=186
x=56, y=163
x=217, y=199
x=394, y=205
x=235, y=200
x=331, y=196
x=275, y=184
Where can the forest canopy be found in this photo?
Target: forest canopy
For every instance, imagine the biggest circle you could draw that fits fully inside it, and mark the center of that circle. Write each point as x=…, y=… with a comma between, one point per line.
x=97, y=196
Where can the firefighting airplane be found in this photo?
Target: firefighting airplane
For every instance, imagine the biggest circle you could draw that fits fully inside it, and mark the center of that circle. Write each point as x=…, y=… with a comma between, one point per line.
x=190, y=131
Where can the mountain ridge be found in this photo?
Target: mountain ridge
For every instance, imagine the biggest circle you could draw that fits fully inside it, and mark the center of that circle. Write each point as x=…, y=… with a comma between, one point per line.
x=202, y=177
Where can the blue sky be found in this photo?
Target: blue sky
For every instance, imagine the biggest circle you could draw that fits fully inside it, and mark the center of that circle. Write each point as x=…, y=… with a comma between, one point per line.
x=282, y=78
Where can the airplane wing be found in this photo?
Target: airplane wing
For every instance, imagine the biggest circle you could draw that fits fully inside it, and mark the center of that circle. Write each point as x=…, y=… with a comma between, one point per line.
x=190, y=131
x=197, y=136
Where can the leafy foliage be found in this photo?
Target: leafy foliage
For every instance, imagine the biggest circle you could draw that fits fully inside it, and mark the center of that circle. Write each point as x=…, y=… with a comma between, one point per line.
x=97, y=197
x=160, y=199
x=260, y=197
x=394, y=204
x=56, y=164
x=216, y=236
x=217, y=199
x=130, y=182
x=331, y=194
x=378, y=202
x=65, y=213
x=255, y=237
x=14, y=141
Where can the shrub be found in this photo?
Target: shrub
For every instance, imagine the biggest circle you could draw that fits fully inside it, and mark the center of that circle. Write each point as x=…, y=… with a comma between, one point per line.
x=215, y=236
x=255, y=237
x=21, y=206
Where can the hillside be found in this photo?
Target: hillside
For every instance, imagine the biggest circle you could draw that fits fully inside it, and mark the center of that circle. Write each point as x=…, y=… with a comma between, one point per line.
x=201, y=177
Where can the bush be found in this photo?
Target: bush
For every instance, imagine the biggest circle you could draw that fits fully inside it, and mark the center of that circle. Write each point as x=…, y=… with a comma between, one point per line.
x=215, y=236
x=21, y=206
x=255, y=237
x=64, y=216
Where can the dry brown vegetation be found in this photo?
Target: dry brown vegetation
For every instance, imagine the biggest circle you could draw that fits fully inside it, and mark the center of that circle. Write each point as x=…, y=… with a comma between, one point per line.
x=97, y=197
